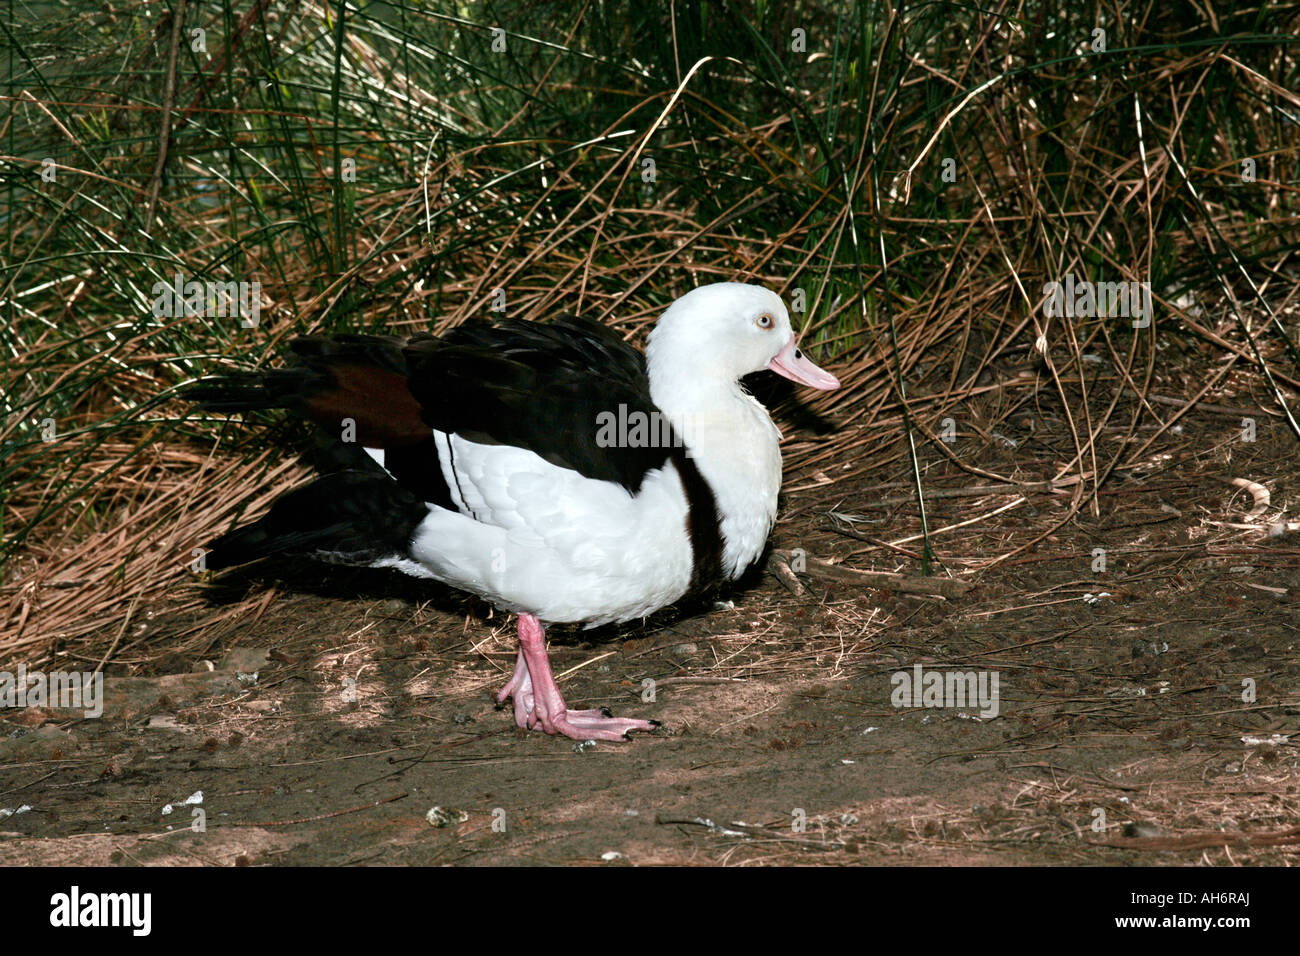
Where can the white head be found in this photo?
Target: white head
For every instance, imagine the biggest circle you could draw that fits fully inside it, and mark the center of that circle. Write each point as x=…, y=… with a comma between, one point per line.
x=727, y=330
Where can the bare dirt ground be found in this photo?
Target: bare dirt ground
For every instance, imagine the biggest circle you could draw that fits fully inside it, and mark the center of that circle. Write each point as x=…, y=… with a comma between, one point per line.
x=1127, y=730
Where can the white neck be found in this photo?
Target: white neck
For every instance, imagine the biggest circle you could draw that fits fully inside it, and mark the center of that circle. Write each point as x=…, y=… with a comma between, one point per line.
x=733, y=442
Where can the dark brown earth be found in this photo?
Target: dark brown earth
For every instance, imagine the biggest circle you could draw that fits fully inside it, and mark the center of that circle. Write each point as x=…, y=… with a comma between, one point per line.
x=1123, y=736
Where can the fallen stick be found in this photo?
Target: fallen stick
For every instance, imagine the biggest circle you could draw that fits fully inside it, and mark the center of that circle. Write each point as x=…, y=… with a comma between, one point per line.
x=747, y=832
x=1203, y=841
x=946, y=587
x=320, y=816
x=1204, y=406
x=780, y=566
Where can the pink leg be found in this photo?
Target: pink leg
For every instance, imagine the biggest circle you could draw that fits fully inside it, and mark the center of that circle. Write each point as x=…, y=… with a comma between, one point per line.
x=520, y=688
x=538, y=702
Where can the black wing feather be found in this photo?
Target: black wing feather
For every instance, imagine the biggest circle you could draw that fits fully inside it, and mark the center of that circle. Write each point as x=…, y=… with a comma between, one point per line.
x=540, y=387
x=351, y=517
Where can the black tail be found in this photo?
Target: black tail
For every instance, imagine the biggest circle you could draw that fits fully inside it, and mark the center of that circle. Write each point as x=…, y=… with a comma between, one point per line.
x=314, y=362
x=352, y=517
x=234, y=392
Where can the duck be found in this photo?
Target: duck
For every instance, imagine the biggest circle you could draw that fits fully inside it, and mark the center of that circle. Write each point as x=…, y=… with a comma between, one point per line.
x=550, y=468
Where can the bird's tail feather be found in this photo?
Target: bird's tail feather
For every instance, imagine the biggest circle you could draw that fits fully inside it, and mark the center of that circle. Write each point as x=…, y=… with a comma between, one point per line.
x=233, y=392
x=351, y=517
x=357, y=379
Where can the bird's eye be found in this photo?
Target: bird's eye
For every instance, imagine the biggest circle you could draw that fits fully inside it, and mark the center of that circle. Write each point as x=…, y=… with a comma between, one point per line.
x=764, y=321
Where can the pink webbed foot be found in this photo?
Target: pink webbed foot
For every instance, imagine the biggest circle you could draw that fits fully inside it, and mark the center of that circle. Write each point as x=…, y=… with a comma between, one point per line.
x=538, y=702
